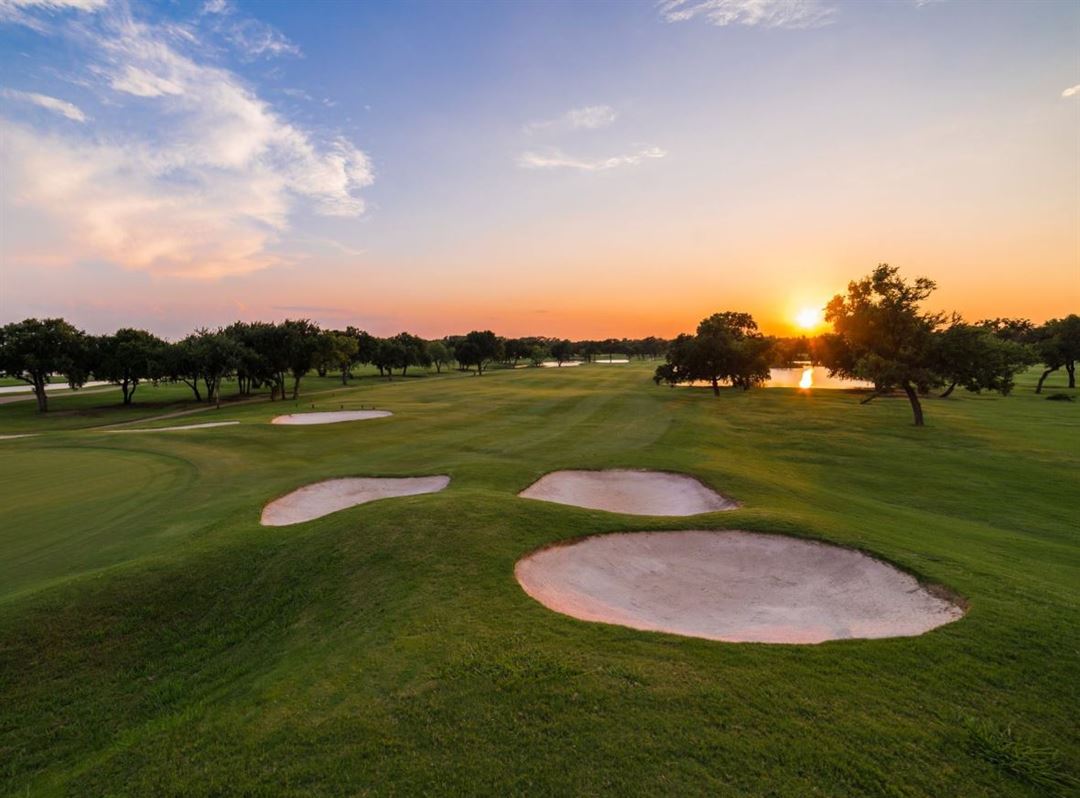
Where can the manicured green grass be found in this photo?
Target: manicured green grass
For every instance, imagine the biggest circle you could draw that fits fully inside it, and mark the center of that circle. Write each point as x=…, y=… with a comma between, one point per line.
x=156, y=640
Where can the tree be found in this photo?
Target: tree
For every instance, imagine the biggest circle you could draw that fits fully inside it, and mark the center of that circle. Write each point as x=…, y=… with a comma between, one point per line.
x=339, y=350
x=726, y=348
x=180, y=364
x=414, y=351
x=367, y=346
x=537, y=355
x=439, y=354
x=516, y=349
x=127, y=358
x=33, y=350
x=478, y=348
x=890, y=339
x=301, y=342
x=390, y=354
x=562, y=351
x=1057, y=344
x=976, y=359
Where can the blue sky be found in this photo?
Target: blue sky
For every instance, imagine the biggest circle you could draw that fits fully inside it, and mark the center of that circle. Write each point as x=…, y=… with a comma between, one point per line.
x=562, y=168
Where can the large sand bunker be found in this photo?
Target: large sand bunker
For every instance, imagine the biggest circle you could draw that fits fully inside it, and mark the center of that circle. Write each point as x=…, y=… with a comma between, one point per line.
x=323, y=498
x=739, y=587
x=332, y=417
x=631, y=492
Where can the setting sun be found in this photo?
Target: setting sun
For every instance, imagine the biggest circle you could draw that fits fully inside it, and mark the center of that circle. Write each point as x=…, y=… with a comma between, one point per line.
x=808, y=318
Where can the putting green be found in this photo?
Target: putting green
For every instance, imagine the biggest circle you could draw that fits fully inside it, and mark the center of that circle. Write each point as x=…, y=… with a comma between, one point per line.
x=68, y=511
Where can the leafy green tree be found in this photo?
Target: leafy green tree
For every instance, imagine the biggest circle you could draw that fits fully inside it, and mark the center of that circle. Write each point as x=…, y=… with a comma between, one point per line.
x=537, y=355
x=890, y=340
x=562, y=351
x=127, y=358
x=726, y=348
x=180, y=363
x=32, y=350
x=301, y=344
x=1057, y=344
x=414, y=351
x=478, y=348
x=439, y=354
x=516, y=349
x=390, y=354
x=974, y=358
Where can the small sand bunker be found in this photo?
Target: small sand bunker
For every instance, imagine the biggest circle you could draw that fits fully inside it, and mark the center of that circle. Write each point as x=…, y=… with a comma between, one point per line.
x=13, y=437
x=332, y=417
x=207, y=425
x=614, y=360
x=323, y=498
x=630, y=492
x=552, y=364
x=739, y=587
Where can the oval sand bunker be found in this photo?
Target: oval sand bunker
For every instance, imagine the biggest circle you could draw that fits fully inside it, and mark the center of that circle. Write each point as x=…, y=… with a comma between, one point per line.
x=631, y=492
x=323, y=498
x=332, y=417
x=739, y=587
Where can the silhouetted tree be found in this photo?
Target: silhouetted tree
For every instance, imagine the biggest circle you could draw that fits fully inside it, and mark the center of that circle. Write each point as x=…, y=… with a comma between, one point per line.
x=127, y=358
x=32, y=350
x=890, y=339
x=1057, y=344
x=478, y=348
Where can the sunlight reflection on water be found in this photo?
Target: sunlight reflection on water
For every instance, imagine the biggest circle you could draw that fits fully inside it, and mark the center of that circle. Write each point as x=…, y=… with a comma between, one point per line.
x=804, y=377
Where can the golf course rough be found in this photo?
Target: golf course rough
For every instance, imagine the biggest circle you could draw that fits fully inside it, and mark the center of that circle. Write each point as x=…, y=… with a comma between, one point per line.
x=739, y=587
x=323, y=498
x=629, y=491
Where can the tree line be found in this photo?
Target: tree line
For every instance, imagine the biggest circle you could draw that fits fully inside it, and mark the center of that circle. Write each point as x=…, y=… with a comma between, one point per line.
x=266, y=355
x=882, y=335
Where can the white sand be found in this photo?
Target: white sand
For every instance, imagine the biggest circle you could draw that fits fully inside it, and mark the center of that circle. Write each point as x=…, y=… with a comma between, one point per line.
x=323, y=498
x=12, y=437
x=551, y=364
x=732, y=586
x=631, y=492
x=173, y=429
x=605, y=361
x=332, y=417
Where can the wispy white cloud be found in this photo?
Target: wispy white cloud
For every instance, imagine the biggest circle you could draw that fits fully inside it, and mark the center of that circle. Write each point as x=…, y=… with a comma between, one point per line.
x=19, y=11
x=206, y=189
x=62, y=107
x=251, y=37
x=557, y=159
x=1072, y=91
x=759, y=13
x=589, y=117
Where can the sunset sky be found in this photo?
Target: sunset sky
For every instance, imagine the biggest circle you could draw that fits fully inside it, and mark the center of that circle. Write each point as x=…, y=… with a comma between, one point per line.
x=573, y=169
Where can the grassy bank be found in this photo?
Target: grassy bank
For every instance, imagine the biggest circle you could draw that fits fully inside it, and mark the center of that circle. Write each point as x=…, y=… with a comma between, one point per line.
x=154, y=639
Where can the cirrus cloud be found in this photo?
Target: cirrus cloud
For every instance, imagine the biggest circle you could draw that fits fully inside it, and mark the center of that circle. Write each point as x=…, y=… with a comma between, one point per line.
x=557, y=159
x=752, y=13
x=54, y=104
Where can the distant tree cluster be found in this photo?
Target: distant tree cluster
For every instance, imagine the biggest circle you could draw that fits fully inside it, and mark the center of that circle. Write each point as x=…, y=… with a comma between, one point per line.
x=881, y=335
x=264, y=355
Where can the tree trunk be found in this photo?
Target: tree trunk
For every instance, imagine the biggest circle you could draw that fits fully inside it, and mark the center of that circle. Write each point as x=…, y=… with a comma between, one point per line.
x=296, y=387
x=1045, y=374
x=715, y=387
x=39, y=393
x=916, y=405
x=344, y=377
x=948, y=391
x=1071, y=368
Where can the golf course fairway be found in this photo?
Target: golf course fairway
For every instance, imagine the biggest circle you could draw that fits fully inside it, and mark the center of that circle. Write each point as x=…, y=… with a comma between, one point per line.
x=157, y=640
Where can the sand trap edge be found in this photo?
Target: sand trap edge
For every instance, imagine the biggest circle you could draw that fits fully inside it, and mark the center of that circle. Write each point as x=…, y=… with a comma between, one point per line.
x=936, y=589
x=280, y=496
x=734, y=504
